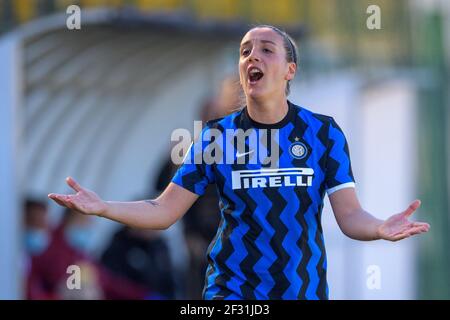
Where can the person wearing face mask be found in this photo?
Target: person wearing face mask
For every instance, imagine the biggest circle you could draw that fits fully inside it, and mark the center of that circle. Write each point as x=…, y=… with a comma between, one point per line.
x=36, y=237
x=69, y=246
x=269, y=243
x=78, y=233
x=36, y=227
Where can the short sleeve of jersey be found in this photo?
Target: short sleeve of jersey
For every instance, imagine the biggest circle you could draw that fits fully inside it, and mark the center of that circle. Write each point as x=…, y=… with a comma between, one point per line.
x=194, y=174
x=339, y=173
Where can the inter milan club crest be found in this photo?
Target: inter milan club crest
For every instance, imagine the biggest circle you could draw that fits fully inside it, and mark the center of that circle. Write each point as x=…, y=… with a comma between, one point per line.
x=298, y=150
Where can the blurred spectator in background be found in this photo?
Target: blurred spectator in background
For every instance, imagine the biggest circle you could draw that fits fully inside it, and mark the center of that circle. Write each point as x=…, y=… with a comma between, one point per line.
x=142, y=256
x=36, y=227
x=228, y=99
x=181, y=272
x=49, y=270
x=37, y=232
x=202, y=219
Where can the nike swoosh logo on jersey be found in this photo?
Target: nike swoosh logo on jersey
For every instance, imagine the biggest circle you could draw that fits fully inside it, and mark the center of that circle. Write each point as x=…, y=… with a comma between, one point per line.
x=238, y=155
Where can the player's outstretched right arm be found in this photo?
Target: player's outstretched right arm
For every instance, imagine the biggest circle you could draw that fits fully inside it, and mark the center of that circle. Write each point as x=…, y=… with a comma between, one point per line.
x=159, y=213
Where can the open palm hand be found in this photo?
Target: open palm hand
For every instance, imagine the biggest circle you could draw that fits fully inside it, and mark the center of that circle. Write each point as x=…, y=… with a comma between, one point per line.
x=399, y=227
x=84, y=200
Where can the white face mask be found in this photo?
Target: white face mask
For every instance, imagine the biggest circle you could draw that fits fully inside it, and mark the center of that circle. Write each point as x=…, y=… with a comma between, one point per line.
x=36, y=241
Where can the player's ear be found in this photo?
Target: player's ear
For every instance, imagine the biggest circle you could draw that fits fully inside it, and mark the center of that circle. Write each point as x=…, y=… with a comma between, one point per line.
x=292, y=69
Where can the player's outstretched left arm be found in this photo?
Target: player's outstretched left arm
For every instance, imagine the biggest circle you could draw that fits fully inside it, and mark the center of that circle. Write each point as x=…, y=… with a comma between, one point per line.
x=358, y=224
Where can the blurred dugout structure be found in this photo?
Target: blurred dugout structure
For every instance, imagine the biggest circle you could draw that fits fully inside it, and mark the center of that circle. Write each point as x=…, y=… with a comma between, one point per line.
x=100, y=104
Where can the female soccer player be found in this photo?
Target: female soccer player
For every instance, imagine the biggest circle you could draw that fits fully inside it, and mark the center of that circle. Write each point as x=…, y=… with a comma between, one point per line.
x=269, y=244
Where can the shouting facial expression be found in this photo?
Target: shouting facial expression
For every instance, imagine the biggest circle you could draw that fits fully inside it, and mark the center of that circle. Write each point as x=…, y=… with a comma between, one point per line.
x=263, y=68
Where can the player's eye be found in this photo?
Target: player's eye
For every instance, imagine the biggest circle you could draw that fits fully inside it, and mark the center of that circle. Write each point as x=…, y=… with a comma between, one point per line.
x=265, y=50
x=245, y=52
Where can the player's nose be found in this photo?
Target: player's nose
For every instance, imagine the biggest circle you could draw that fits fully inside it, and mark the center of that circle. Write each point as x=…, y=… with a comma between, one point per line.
x=253, y=56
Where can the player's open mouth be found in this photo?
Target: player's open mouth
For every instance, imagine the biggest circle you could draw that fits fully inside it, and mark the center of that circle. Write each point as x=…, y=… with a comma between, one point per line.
x=255, y=74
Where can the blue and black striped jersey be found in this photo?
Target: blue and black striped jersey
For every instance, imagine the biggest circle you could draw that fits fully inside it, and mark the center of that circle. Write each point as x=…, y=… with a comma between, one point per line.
x=269, y=244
